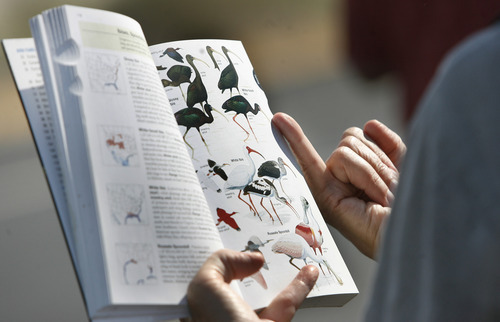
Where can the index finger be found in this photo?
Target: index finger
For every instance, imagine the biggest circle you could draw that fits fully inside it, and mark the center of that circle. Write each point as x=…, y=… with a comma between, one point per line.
x=309, y=160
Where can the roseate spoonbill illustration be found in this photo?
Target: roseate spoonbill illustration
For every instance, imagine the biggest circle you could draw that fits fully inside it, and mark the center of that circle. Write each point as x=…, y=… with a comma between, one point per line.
x=242, y=175
x=193, y=117
x=264, y=188
x=274, y=170
x=296, y=247
x=309, y=229
x=211, y=52
x=228, y=77
x=227, y=218
x=240, y=105
x=172, y=53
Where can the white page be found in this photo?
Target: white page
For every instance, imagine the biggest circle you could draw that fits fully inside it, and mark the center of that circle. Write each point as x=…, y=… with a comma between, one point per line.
x=152, y=213
x=25, y=67
x=226, y=137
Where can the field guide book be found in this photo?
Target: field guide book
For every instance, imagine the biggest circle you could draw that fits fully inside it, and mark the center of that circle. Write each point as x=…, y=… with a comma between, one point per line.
x=156, y=156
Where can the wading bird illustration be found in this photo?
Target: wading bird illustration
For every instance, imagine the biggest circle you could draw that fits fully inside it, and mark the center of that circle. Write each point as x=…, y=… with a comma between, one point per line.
x=309, y=229
x=172, y=53
x=193, y=117
x=196, y=93
x=296, y=247
x=264, y=188
x=274, y=170
x=240, y=105
x=178, y=74
x=227, y=218
x=242, y=175
x=211, y=52
x=253, y=245
x=216, y=169
x=228, y=77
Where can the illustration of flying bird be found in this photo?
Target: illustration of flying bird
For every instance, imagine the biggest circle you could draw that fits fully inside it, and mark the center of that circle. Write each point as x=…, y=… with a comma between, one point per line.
x=216, y=169
x=223, y=216
x=172, y=53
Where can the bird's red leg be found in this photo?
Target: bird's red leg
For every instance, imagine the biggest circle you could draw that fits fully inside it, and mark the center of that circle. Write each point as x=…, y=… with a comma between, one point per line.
x=251, y=128
x=261, y=200
x=275, y=211
x=248, y=134
x=249, y=206
x=256, y=212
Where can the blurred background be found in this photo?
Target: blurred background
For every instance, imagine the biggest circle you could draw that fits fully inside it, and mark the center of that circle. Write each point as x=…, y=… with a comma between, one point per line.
x=310, y=58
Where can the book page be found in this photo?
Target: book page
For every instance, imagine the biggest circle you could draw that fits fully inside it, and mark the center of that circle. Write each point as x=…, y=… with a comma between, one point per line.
x=258, y=198
x=25, y=68
x=153, y=219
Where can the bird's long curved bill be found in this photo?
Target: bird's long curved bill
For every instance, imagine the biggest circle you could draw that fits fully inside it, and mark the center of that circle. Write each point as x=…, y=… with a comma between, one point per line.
x=232, y=52
x=194, y=58
x=290, y=169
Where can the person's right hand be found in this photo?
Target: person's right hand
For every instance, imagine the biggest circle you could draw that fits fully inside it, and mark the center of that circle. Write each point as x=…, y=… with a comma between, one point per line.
x=353, y=189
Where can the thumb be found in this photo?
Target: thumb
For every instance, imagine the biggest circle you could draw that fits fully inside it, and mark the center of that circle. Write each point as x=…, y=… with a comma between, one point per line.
x=285, y=304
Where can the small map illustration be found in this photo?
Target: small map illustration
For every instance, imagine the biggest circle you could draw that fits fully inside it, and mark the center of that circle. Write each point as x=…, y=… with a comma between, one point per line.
x=105, y=73
x=136, y=260
x=119, y=147
x=127, y=203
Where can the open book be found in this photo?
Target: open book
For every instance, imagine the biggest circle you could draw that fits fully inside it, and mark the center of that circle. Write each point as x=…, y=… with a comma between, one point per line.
x=158, y=156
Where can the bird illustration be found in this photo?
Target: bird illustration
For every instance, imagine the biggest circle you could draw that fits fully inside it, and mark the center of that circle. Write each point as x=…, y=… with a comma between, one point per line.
x=193, y=117
x=178, y=74
x=172, y=53
x=240, y=105
x=161, y=67
x=253, y=245
x=274, y=170
x=309, y=229
x=228, y=77
x=242, y=175
x=264, y=188
x=296, y=247
x=216, y=169
x=227, y=218
x=196, y=93
x=211, y=52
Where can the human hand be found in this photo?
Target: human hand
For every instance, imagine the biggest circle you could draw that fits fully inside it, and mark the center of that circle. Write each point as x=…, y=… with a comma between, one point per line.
x=211, y=299
x=353, y=189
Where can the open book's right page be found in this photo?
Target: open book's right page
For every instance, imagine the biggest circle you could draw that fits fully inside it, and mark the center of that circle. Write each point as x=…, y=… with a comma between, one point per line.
x=259, y=199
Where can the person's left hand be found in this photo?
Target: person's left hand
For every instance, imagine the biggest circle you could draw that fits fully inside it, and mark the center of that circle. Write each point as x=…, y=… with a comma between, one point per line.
x=210, y=298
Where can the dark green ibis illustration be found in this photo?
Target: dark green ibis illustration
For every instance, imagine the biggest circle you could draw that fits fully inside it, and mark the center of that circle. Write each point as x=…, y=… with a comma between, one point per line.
x=229, y=77
x=194, y=117
x=211, y=52
x=240, y=105
x=197, y=93
x=178, y=75
x=172, y=53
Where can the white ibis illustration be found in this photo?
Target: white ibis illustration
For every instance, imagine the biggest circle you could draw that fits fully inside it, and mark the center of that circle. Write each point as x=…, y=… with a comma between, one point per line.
x=242, y=175
x=264, y=188
x=274, y=170
x=309, y=229
x=296, y=247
